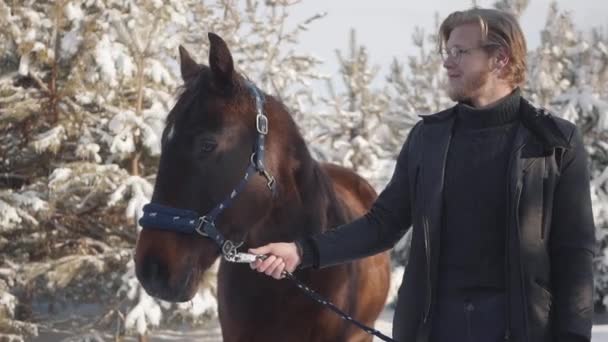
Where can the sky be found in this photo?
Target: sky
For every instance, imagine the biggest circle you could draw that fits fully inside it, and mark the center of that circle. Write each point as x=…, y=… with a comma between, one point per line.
x=385, y=26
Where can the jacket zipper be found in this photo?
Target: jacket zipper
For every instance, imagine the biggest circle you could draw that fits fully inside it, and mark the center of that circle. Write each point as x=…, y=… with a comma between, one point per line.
x=521, y=265
x=427, y=238
x=513, y=215
x=513, y=221
x=427, y=248
x=468, y=311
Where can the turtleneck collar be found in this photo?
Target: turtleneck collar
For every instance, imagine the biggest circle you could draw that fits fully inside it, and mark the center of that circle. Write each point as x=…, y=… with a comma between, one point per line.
x=502, y=112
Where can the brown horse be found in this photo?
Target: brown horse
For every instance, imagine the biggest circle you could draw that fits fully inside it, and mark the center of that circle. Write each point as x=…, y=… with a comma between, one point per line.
x=206, y=146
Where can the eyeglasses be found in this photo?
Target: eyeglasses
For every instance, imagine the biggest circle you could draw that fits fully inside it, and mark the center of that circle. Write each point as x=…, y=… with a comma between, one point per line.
x=455, y=53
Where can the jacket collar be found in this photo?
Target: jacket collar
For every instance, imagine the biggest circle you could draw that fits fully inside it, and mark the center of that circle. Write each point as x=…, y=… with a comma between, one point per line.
x=542, y=125
x=537, y=122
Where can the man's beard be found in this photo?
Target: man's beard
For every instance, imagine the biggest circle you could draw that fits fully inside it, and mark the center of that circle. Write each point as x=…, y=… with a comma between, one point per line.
x=466, y=89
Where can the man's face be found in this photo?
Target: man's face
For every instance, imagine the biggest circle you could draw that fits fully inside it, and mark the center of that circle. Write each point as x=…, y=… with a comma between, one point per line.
x=469, y=73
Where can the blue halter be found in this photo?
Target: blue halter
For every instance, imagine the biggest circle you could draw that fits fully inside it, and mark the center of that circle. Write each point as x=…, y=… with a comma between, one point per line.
x=158, y=216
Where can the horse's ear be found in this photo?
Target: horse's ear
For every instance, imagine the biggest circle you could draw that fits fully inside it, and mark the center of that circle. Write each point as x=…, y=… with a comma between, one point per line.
x=220, y=60
x=189, y=67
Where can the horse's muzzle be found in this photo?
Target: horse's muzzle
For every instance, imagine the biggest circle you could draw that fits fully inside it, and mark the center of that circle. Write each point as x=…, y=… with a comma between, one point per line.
x=154, y=276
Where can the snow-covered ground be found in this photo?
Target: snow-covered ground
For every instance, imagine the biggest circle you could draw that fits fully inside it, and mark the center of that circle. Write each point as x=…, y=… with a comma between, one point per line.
x=212, y=333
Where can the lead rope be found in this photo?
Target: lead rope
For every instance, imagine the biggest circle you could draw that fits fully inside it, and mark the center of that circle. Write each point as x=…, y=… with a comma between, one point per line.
x=231, y=255
x=319, y=299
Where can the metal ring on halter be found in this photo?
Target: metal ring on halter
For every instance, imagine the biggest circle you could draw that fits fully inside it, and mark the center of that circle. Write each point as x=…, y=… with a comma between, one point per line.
x=200, y=228
x=251, y=159
x=261, y=124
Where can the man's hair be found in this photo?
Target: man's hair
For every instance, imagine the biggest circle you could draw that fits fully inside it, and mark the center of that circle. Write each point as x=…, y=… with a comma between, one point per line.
x=498, y=28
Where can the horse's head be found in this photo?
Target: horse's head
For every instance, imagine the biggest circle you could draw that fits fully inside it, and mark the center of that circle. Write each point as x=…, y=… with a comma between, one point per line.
x=207, y=146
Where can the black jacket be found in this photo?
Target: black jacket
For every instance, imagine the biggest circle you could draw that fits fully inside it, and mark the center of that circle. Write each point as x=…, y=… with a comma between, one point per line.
x=550, y=235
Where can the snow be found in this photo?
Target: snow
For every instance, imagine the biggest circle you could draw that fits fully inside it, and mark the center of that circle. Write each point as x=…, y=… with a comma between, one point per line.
x=65, y=270
x=123, y=125
x=152, y=126
x=138, y=191
x=24, y=64
x=70, y=42
x=396, y=278
x=9, y=216
x=159, y=73
x=73, y=12
x=88, y=337
x=89, y=151
x=105, y=60
x=204, y=304
x=59, y=175
x=126, y=125
x=8, y=302
x=29, y=199
x=49, y=141
x=125, y=65
x=13, y=213
x=146, y=313
x=123, y=144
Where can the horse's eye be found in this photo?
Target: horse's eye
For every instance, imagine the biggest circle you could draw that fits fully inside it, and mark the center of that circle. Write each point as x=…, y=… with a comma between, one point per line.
x=207, y=146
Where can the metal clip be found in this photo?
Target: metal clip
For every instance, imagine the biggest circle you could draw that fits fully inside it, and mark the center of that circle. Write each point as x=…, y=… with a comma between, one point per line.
x=245, y=258
x=230, y=250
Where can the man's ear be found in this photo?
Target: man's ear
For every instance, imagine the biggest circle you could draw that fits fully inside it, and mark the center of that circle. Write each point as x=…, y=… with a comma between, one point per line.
x=501, y=58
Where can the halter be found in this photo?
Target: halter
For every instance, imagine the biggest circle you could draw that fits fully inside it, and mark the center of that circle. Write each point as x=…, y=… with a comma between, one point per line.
x=187, y=221
x=158, y=216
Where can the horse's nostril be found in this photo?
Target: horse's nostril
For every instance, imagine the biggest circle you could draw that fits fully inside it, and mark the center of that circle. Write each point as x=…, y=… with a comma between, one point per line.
x=154, y=271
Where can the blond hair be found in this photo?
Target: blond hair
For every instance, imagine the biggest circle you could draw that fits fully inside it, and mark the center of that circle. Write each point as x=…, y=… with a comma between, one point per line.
x=498, y=28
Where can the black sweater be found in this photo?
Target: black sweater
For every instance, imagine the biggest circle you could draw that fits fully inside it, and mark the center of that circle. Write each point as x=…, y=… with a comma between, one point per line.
x=472, y=243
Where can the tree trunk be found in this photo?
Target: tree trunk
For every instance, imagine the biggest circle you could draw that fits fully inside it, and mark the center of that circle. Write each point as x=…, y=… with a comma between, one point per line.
x=138, y=112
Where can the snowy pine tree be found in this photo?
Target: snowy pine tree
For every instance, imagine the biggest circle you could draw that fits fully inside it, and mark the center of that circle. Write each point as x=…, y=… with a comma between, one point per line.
x=89, y=83
x=419, y=88
x=516, y=7
x=353, y=130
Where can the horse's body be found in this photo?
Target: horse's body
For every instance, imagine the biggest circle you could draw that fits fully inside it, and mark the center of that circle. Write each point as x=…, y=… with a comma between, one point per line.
x=310, y=198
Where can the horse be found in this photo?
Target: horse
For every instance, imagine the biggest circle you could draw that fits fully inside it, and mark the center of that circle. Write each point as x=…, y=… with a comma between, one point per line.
x=206, y=145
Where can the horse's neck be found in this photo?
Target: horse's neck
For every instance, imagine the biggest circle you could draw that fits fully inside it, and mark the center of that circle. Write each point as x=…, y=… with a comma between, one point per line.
x=328, y=208
x=311, y=206
x=307, y=202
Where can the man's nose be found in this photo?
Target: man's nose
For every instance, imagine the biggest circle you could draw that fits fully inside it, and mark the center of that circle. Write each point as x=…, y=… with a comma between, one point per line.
x=448, y=63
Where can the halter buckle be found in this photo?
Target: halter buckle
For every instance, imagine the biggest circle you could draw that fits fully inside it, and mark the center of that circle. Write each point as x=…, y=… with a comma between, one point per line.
x=200, y=227
x=261, y=124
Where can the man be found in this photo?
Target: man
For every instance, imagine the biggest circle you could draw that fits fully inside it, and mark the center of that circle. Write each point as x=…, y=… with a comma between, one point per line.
x=498, y=195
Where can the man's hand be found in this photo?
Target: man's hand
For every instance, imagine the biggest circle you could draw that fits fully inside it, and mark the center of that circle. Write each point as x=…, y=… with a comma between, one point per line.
x=282, y=256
